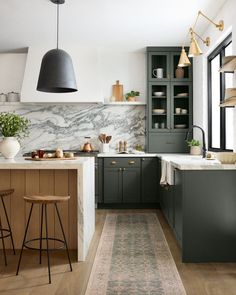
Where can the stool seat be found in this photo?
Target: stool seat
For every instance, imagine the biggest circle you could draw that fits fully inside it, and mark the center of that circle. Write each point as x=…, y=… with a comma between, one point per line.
x=6, y=192
x=46, y=199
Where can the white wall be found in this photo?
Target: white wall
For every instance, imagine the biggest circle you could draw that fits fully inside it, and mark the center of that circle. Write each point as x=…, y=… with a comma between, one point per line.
x=226, y=13
x=12, y=68
x=96, y=71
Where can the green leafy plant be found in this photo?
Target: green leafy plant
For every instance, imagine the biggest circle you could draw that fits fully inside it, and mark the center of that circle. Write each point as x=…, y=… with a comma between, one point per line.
x=132, y=93
x=13, y=125
x=193, y=142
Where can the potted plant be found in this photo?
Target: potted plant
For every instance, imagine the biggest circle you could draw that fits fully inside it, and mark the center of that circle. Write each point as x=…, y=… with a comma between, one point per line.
x=13, y=128
x=195, y=148
x=130, y=96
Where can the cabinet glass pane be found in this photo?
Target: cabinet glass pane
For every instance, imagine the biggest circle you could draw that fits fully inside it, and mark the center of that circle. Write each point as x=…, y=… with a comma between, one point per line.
x=159, y=106
x=182, y=73
x=181, y=106
x=159, y=66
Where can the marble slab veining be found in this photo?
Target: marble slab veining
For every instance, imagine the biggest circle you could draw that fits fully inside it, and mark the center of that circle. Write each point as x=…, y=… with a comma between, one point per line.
x=65, y=126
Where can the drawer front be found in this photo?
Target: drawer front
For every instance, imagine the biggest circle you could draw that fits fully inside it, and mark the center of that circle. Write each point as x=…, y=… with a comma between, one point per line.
x=167, y=143
x=122, y=162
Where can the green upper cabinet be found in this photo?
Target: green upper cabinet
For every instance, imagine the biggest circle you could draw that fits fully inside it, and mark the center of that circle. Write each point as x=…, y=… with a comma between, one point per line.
x=169, y=104
x=159, y=66
x=163, y=65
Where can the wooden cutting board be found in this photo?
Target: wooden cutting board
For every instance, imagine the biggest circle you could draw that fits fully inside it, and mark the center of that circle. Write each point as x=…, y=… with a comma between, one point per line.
x=117, y=91
x=50, y=159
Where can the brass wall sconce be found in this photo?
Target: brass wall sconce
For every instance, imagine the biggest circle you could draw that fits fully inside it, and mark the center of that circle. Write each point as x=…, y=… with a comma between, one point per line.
x=194, y=49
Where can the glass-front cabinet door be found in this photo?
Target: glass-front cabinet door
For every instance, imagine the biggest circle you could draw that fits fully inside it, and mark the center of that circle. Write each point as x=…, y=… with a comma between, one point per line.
x=159, y=106
x=176, y=73
x=181, y=106
x=159, y=66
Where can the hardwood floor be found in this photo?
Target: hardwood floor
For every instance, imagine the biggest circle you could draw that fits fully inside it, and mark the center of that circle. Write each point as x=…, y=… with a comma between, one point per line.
x=198, y=279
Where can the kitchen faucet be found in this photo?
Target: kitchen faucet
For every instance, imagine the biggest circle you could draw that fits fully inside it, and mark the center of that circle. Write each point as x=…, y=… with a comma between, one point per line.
x=203, y=139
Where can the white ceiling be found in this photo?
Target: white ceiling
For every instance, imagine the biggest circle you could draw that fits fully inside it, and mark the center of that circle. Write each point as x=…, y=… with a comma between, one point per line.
x=132, y=24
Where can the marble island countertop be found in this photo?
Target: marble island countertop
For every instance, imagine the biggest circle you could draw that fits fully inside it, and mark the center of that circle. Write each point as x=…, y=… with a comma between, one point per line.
x=21, y=163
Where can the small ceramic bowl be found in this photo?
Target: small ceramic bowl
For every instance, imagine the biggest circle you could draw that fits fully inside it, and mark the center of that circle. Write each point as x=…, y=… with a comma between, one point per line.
x=159, y=93
x=158, y=111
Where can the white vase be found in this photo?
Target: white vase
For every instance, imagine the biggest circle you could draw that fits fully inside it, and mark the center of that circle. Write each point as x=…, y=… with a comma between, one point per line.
x=195, y=150
x=9, y=147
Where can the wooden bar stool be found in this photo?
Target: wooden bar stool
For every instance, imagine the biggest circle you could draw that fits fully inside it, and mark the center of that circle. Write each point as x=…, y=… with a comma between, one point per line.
x=6, y=232
x=44, y=201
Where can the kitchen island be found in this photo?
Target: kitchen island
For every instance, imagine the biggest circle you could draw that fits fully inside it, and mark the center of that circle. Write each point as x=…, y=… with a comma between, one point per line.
x=58, y=177
x=200, y=207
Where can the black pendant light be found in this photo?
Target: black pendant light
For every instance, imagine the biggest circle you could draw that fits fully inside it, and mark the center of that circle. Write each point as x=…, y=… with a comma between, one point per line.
x=56, y=72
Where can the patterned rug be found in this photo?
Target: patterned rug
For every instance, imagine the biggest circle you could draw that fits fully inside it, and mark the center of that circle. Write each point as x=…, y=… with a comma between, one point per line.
x=133, y=258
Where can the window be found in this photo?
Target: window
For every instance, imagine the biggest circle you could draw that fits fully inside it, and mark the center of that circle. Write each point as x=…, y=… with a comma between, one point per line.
x=220, y=120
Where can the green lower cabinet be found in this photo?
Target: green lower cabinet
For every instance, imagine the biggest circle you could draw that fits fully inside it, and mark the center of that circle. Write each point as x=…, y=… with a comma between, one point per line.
x=130, y=182
x=131, y=185
x=112, y=185
x=150, y=180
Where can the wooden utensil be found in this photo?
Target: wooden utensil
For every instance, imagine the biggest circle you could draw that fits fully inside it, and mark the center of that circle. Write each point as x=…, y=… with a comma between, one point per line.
x=108, y=139
x=117, y=91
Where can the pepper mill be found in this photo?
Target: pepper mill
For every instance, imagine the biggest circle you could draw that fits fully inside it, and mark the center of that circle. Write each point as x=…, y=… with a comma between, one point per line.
x=120, y=146
x=125, y=146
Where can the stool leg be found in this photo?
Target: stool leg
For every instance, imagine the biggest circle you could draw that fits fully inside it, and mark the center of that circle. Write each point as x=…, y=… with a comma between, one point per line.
x=41, y=233
x=63, y=233
x=23, y=243
x=3, y=243
x=46, y=223
x=9, y=226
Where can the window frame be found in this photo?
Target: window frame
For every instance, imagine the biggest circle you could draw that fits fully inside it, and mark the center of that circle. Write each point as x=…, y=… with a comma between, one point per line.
x=220, y=49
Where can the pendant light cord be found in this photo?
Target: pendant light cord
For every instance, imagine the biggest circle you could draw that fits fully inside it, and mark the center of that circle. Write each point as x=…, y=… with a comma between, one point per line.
x=57, y=24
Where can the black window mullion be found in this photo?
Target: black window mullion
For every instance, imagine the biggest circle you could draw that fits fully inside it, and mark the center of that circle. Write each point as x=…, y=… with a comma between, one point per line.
x=222, y=110
x=221, y=51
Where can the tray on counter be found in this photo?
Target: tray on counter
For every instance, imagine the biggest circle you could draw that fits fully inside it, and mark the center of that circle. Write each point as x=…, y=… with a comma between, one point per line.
x=50, y=159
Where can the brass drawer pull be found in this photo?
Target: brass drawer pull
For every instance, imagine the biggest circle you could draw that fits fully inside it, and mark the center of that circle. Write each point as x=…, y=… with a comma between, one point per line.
x=170, y=142
x=113, y=162
x=131, y=162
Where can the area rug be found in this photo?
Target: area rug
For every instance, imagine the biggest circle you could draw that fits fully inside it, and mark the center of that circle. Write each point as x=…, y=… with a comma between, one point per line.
x=133, y=258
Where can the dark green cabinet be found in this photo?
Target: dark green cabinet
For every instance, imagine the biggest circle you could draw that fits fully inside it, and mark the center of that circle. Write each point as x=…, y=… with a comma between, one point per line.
x=98, y=180
x=122, y=180
x=113, y=185
x=131, y=185
x=150, y=180
x=169, y=103
x=130, y=182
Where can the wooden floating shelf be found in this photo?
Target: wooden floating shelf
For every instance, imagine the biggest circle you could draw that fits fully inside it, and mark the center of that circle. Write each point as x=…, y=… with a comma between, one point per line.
x=228, y=103
x=230, y=66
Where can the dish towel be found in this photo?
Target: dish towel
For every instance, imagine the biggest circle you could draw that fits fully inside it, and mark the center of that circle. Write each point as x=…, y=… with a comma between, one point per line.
x=167, y=173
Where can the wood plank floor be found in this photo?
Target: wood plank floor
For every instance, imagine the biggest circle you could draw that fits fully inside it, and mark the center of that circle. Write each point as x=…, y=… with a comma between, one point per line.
x=198, y=279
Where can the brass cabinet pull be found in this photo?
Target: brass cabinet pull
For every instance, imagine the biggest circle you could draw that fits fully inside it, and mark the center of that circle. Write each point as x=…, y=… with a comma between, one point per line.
x=113, y=162
x=120, y=169
x=169, y=142
x=131, y=162
x=123, y=169
x=143, y=159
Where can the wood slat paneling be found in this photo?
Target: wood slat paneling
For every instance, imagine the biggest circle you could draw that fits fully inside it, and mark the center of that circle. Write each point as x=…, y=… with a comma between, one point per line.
x=30, y=182
x=18, y=206
x=62, y=189
x=31, y=188
x=5, y=183
x=47, y=187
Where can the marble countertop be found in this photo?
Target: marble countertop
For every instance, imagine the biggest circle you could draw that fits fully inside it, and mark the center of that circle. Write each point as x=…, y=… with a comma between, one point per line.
x=21, y=163
x=189, y=162
x=131, y=155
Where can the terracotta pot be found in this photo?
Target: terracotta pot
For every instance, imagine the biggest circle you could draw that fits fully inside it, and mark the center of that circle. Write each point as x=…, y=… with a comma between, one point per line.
x=132, y=98
x=179, y=73
x=195, y=150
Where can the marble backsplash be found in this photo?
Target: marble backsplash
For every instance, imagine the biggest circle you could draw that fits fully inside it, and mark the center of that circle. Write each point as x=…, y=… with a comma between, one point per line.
x=65, y=126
